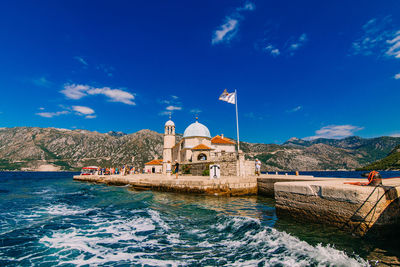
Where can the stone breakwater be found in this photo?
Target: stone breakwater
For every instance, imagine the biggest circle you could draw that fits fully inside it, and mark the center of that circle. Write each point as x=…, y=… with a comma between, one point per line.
x=358, y=209
x=229, y=186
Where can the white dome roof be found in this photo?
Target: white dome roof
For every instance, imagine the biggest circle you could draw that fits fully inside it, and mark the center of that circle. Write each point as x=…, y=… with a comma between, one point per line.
x=169, y=123
x=196, y=130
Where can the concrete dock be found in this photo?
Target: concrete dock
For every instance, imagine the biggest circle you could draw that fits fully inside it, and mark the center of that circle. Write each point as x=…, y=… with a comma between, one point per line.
x=358, y=209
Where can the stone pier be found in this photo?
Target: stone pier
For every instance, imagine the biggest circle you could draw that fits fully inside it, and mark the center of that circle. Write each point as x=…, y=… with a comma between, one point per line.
x=229, y=186
x=358, y=209
x=266, y=182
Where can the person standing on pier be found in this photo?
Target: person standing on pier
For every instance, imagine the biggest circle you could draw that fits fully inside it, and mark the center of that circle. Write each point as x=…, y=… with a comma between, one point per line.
x=176, y=170
x=258, y=167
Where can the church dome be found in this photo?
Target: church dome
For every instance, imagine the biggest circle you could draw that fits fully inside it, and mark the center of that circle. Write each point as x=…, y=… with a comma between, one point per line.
x=169, y=123
x=196, y=130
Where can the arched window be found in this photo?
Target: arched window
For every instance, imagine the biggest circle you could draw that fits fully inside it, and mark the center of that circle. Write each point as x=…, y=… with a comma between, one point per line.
x=202, y=157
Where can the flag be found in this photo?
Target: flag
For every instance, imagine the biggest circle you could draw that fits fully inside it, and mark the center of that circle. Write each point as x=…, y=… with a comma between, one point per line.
x=228, y=97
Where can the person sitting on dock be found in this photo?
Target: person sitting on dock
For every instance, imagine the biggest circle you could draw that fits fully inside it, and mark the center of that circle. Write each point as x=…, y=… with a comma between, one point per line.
x=176, y=170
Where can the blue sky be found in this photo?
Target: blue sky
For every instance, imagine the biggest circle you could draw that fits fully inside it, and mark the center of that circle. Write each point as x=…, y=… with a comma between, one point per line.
x=302, y=68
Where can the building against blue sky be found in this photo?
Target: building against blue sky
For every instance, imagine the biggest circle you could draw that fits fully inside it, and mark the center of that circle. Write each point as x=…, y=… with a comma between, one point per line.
x=302, y=68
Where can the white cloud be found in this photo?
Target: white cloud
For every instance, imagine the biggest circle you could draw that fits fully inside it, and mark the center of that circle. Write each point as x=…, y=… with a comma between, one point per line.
x=91, y=116
x=275, y=52
x=272, y=50
x=173, y=104
x=299, y=42
x=115, y=95
x=171, y=108
x=52, y=114
x=83, y=110
x=394, y=49
x=226, y=32
x=288, y=48
x=247, y=6
x=397, y=76
x=229, y=28
x=395, y=135
x=298, y=108
x=335, y=132
x=81, y=60
x=372, y=38
x=379, y=37
x=77, y=91
x=79, y=110
x=41, y=108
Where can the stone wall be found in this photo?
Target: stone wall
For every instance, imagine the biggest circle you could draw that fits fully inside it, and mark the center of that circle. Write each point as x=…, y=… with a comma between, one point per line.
x=250, y=167
x=228, y=163
x=357, y=209
x=228, y=168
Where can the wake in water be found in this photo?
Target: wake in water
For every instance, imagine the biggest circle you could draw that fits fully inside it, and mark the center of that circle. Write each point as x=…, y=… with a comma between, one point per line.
x=144, y=238
x=97, y=225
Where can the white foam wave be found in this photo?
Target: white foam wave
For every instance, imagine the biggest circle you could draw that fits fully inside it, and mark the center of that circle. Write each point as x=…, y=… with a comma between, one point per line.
x=141, y=238
x=281, y=248
x=96, y=244
x=44, y=191
x=156, y=217
x=66, y=210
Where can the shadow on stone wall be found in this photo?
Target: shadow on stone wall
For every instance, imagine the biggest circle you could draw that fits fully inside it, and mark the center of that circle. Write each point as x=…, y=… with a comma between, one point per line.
x=362, y=222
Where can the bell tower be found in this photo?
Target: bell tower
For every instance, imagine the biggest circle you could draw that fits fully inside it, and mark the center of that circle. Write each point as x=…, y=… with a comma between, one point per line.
x=169, y=143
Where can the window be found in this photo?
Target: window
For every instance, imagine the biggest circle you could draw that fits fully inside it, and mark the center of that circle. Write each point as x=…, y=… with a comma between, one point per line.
x=202, y=157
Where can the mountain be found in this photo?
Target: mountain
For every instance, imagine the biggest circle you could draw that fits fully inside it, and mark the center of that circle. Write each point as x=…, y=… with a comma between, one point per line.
x=321, y=154
x=117, y=134
x=371, y=149
x=33, y=148
x=390, y=162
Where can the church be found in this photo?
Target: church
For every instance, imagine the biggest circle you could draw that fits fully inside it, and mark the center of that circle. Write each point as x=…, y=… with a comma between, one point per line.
x=197, y=150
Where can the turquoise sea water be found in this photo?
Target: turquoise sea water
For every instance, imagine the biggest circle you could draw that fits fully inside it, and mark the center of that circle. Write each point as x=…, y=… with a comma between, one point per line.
x=48, y=219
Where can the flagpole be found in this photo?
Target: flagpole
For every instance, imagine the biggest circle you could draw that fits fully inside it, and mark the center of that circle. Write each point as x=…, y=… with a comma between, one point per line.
x=237, y=121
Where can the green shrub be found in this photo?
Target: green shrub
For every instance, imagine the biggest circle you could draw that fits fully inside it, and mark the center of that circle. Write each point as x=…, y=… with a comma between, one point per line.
x=206, y=172
x=185, y=169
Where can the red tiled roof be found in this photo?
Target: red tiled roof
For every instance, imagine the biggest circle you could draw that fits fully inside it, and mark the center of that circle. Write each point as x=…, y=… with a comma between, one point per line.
x=201, y=147
x=221, y=140
x=154, y=162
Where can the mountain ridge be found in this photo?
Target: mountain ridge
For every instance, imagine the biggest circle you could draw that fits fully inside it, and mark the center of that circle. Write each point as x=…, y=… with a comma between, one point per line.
x=390, y=162
x=28, y=148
